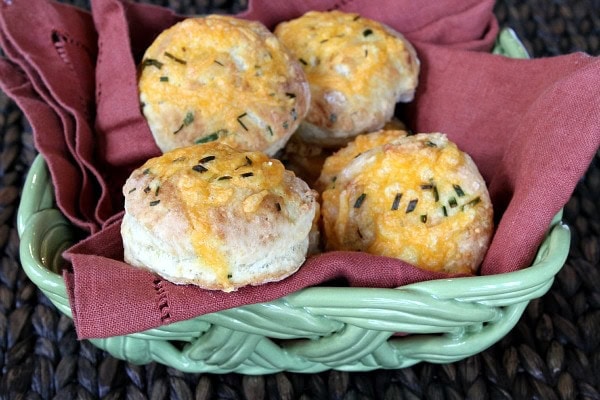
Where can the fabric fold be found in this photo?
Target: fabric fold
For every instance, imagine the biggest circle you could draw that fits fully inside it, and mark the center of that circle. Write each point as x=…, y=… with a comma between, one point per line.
x=57, y=45
x=119, y=123
x=152, y=301
x=514, y=117
x=469, y=24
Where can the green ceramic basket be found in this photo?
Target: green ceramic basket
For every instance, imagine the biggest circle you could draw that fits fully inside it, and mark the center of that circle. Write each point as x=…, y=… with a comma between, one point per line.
x=314, y=329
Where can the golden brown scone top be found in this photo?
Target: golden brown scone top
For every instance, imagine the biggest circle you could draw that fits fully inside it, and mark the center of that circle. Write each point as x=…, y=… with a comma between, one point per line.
x=418, y=198
x=335, y=163
x=221, y=78
x=209, y=192
x=357, y=69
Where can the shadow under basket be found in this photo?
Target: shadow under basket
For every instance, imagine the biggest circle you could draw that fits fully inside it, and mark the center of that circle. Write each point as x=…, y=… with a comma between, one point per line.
x=314, y=329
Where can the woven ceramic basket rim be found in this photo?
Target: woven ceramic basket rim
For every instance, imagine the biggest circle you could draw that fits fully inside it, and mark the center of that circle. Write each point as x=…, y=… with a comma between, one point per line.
x=314, y=329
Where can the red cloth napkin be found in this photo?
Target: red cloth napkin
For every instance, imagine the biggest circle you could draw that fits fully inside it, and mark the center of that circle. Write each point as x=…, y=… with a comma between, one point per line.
x=532, y=126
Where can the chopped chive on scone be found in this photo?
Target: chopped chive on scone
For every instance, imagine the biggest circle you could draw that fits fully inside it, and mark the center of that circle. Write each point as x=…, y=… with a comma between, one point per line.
x=417, y=198
x=357, y=68
x=220, y=78
x=216, y=217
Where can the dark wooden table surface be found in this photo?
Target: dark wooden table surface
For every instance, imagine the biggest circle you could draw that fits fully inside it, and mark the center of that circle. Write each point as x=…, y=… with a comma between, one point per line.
x=553, y=352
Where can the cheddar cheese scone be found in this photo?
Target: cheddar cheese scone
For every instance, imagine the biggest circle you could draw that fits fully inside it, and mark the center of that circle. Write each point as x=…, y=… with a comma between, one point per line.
x=221, y=78
x=357, y=68
x=418, y=198
x=218, y=218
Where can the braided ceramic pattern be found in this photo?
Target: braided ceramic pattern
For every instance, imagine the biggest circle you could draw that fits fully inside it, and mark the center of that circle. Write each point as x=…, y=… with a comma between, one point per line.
x=315, y=329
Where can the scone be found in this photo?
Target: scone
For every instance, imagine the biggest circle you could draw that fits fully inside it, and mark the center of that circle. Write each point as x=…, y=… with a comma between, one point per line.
x=218, y=218
x=335, y=163
x=221, y=78
x=418, y=198
x=307, y=159
x=357, y=68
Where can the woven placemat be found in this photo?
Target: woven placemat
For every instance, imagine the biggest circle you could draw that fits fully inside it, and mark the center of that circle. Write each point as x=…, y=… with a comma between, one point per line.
x=553, y=352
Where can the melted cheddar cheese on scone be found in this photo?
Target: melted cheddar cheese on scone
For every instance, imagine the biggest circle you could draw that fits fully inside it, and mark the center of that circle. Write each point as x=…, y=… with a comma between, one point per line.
x=418, y=198
x=357, y=68
x=218, y=218
x=335, y=163
x=221, y=78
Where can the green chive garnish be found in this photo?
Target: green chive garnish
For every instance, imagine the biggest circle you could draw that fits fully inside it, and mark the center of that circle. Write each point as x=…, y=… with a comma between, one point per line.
x=270, y=130
x=146, y=171
x=219, y=63
x=151, y=62
x=187, y=120
x=452, y=202
x=429, y=143
x=147, y=189
x=239, y=120
x=427, y=186
x=396, y=202
x=210, y=138
x=290, y=95
x=445, y=211
x=248, y=161
x=247, y=174
x=199, y=168
x=132, y=190
x=302, y=61
x=176, y=59
x=436, y=195
x=412, y=205
x=360, y=200
x=424, y=218
x=206, y=159
x=164, y=79
x=458, y=190
x=224, y=178
x=367, y=32
x=473, y=202
x=155, y=202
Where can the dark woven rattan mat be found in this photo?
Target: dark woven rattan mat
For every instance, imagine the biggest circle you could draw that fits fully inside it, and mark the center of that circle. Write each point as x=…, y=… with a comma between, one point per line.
x=553, y=352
